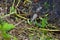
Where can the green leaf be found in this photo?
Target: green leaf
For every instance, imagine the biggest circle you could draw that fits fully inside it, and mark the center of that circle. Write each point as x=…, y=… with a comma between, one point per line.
x=0, y=27
x=5, y=35
x=12, y=9
x=44, y=22
x=15, y=38
x=37, y=24
x=29, y=22
x=46, y=5
x=7, y=27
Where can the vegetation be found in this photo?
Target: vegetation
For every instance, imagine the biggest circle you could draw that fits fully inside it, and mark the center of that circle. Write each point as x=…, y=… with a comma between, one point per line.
x=21, y=25
x=4, y=28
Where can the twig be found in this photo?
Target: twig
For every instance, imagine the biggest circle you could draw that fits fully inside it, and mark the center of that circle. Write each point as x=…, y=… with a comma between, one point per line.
x=7, y=15
x=18, y=3
x=45, y=30
x=49, y=30
x=19, y=23
x=7, y=20
x=22, y=17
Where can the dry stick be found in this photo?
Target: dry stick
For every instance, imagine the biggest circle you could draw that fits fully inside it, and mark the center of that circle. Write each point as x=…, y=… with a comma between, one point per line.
x=49, y=30
x=45, y=30
x=18, y=3
x=7, y=15
x=19, y=23
x=7, y=20
x=22, y=17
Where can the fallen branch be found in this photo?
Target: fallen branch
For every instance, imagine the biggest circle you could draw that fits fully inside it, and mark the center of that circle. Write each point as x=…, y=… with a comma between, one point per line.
x=49, y=30
x=45, y=30
x=22, y=17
